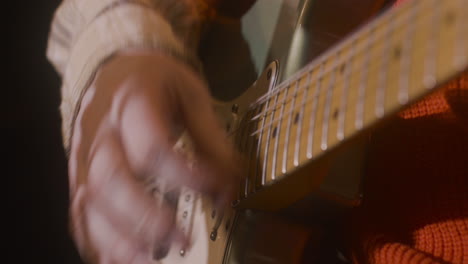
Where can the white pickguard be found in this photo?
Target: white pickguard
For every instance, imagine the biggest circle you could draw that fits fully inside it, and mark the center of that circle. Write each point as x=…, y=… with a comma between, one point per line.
x=194, y=216
x=194, y=211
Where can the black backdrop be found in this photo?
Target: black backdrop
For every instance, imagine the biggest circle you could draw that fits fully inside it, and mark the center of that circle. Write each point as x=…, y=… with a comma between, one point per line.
x=34, y=170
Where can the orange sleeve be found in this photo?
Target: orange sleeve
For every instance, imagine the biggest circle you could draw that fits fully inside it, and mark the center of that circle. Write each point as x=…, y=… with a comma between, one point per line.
x=415, y=206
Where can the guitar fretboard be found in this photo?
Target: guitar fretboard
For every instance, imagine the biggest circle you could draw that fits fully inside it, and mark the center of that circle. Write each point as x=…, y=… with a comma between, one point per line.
x=389, y=63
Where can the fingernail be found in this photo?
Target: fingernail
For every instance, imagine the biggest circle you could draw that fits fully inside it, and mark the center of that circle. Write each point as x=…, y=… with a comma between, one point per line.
x=160, y=251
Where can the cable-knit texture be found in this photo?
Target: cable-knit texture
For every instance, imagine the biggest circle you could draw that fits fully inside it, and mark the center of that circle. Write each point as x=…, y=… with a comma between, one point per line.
x=415, y=206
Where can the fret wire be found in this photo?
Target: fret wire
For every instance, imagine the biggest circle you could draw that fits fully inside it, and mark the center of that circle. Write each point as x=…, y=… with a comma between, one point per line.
x=430, y=69
x=250, y=143
x=311, y=79
x=259, y=144
x=308, y=101
x=273, y=108
x=267, y=145
x=243, y=138
x=326, y=112
x=316, y=96
x=246, y=130
x=359, y=121
x=265, y=124
x=404, y=19
x=306, y=90
x=278, y=133
x=405, y=62
x=301, y=118
x=244, y=133
x=381, y=88
x=288, y=129
x=415, y=56
x=314, y=64
x=344, y=97
x=460, y=55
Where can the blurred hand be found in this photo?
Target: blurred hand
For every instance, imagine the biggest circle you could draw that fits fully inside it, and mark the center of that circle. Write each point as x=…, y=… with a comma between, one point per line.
x=128, y=122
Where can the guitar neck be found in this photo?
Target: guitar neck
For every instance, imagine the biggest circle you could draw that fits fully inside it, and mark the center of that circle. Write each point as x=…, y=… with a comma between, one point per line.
x=393, y=61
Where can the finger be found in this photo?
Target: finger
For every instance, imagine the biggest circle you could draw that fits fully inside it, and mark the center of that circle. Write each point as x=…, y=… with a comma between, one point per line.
x=78, y=223
x=148, y=131
x=102, y=235
x=148, y=139
x=123, y=199
x=203, y=125
x=217, y=161
x=113, y=246
x=110, y=245
x=149, y=122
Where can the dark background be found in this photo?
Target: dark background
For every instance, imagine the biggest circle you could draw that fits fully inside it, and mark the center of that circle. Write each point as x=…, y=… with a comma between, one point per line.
x=35, y=179
x=34, y=167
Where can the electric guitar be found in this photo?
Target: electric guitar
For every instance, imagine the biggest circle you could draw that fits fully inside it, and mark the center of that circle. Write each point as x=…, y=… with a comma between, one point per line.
x=301, y=138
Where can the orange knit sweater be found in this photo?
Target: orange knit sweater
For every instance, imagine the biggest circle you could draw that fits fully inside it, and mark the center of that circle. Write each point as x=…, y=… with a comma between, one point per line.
x=415, y=206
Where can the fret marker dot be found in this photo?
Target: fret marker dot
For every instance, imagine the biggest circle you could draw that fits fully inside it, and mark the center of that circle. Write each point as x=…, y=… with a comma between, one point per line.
x=296, y=118
x=335, y=114
x=397, y=52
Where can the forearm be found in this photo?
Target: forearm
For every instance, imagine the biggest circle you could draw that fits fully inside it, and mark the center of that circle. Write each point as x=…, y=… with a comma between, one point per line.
x=85, y=33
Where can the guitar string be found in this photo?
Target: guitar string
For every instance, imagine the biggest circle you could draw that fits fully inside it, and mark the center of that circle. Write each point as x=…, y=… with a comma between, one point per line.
x=321, y=97
x=316, y=78
x=268, y=111
x=352, y=39
x=297, y=82
x=312, y=81
x=421, y=20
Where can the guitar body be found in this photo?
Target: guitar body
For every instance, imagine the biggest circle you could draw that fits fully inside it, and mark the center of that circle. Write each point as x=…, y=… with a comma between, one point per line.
x=303, y=138
x=203, y=249
x=235, y=236
x=244, y=236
